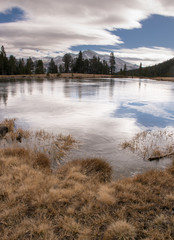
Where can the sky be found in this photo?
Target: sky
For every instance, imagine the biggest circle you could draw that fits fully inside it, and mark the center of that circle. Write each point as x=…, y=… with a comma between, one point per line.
x=135, y=30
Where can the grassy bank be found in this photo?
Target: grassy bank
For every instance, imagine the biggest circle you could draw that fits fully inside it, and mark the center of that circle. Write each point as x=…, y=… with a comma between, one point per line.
x=76, y=76
x=54, y=76
x=80, y=200
x=170, y=79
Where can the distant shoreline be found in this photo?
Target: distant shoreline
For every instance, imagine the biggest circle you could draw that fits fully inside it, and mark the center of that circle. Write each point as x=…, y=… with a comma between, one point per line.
x=171, y=79
x=59, y=75
x=78, y=76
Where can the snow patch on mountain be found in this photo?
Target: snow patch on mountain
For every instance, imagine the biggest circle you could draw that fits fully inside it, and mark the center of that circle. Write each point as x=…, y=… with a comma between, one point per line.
x=88, y=54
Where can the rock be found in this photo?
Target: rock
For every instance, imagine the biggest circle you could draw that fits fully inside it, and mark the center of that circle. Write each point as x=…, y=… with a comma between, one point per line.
x=19, y=138
x=3, y=131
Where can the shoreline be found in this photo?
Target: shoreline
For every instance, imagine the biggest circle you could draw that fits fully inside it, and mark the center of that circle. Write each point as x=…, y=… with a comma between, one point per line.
x=53, y=76
x=170, y=79
x=78, y=76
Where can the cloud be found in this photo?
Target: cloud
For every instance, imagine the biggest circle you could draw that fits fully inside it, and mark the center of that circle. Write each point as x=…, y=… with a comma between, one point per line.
x=147, y=56
x=51, y=26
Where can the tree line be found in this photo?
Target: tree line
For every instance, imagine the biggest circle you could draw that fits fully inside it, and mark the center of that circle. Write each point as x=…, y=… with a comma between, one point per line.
x=12, y=66
x=164, y=69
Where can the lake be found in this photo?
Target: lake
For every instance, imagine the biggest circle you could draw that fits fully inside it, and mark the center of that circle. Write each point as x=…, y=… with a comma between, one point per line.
x=99, y=113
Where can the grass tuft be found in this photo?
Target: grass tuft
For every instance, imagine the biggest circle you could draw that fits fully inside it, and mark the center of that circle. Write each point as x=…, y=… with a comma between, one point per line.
x=120, y=230
x=95, y=168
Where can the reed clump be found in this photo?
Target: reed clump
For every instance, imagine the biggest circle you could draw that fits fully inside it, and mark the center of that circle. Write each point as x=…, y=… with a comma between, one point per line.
x=54, y=146
x=152, y=145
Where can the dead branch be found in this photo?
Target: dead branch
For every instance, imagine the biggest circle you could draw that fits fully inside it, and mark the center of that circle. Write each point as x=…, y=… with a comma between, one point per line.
x=159, y=157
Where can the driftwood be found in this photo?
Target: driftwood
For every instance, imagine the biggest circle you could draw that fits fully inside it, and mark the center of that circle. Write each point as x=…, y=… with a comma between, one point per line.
x=159, y=157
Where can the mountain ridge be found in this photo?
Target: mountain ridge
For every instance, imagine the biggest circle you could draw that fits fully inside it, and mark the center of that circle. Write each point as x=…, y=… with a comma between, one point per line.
x=88, y=54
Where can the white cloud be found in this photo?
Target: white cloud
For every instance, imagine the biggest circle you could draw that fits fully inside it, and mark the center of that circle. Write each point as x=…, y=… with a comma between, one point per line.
x=57, y=25
x=147, y=56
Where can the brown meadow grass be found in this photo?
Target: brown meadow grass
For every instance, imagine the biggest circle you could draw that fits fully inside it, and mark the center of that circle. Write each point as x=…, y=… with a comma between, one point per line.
x=80, y=201
x=54, y=76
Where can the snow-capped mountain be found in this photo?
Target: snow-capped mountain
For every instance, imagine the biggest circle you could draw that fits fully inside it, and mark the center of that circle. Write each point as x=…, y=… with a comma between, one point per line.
x=88, y=54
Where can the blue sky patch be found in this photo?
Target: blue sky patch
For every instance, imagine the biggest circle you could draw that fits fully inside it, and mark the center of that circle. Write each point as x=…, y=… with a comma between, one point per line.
x=12, y=15
x=156, y=31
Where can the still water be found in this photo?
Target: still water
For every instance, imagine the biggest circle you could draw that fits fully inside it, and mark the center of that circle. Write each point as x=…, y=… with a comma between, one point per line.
x=99, y=113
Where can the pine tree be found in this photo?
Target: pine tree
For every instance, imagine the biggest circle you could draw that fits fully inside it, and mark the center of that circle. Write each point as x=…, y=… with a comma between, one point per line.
x=39, y=68
x=52, y=68
x=60, y=68
x=79, y=64
x=121, y=71
x=3, y=51
x=12, y=65
x=67, y=59
x=29, y=68
x=140, y=70
x=125, y=69
x=112, y=63
x=86, y=66
x=3, y=62
x=21, y=66
x=105, y=67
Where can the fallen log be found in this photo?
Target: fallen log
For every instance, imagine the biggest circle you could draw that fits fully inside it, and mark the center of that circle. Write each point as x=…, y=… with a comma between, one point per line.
x=159, y=157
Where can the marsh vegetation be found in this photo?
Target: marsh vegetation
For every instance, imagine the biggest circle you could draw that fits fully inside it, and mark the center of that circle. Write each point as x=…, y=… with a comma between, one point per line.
x=54, y=146
x=79, y=200
x=152, y=145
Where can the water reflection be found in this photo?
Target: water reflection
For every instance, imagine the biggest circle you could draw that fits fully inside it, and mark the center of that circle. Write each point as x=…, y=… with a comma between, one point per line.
x=99, y=113
x=80, y=90
x=146, y=119
x=4, y=97
x=3, y=94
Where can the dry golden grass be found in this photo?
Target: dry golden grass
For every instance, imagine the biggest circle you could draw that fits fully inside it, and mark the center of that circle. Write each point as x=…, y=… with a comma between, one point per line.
x=120, y=230
x=164, y=79
x=80, y=200
x=54, y=76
